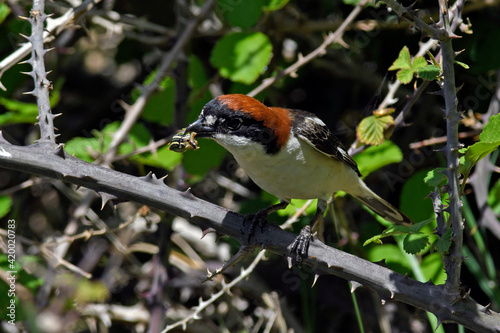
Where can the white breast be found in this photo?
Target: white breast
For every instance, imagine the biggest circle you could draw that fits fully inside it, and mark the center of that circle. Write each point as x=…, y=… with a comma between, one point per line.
x=298, y=171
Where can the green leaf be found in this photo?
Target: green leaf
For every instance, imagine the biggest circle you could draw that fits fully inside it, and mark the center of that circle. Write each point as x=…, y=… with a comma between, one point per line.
x=494, y=197
x=5, y=205
x=164, y=159
x=242, y=13
x=275, y=4
x=83, y=148
x=403, y=61
x=242, y=57
x=418, y=62
x=491, y=132
x=479, y=150
x=392, y=256
x=376, y=157
x=443, y=243
x=436, y=177
x=432, y=268
x=405, y=75
x=199, y=162
x=413, y=201
x=4, y=12
x=415, y=228
x=371, y=129
x=391, y=231
x=160, y=107
x=416, y=242
x=464, y=65
x=429, y=72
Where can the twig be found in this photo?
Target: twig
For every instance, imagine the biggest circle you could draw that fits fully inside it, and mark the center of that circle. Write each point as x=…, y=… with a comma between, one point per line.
x=332, y=37
x=53, y=28
x=134, y=111
x=226, y=288
x=442, y=139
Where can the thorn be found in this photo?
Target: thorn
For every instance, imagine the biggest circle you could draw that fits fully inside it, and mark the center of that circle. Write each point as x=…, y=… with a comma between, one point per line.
x=316, y=276
x=45, y=51
x=187, y=194
x=439, y=322
x=23, y=17
x=105, y=197
x=2, y=138
x=486, y=309
x=33, y=92
x=453, y=35
x=355, y=285
x=27, y=61
x=60, y=151
x=206, y=232
x=30, y=73
x=290, y=262
x=436, y=93
x=26, y=37
x=383, y=301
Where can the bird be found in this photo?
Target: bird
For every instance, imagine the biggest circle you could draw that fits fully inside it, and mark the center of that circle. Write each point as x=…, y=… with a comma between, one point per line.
x=289, y=153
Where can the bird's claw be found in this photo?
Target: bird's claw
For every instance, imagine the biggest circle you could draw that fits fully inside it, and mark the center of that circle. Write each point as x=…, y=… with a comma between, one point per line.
x=300, y=246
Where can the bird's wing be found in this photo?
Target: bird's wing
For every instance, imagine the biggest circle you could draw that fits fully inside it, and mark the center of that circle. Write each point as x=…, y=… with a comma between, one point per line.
x=317, y=135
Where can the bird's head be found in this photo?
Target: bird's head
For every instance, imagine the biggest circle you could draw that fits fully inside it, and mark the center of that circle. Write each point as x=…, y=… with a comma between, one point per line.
x=238, y=120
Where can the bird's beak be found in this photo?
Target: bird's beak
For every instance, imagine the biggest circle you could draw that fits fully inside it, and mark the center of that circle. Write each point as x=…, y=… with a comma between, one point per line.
x=201, y=130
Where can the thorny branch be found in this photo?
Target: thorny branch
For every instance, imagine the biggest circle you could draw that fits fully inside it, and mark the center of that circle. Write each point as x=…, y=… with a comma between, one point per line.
x=42, y=84
x=50, y=160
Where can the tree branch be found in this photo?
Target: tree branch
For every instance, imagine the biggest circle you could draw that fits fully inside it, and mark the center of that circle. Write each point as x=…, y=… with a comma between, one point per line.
x=50, y=160
x=134, y=111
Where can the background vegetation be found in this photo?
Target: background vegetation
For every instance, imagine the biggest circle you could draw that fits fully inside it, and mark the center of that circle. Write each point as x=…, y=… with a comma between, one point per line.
x=87, y=265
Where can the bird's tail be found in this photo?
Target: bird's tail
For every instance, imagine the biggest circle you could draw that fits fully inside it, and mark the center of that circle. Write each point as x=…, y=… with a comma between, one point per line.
x=379, y=205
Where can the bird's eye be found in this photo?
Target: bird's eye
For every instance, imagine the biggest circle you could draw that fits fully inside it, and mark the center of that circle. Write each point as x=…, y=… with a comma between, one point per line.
x=234, y=123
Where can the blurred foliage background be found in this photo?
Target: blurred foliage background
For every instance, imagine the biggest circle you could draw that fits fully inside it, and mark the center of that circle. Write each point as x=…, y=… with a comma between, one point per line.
x=131, y=269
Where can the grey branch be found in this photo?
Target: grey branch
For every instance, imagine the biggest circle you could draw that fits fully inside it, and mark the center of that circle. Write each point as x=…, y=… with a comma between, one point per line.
x=42, y=84
x=50, y=160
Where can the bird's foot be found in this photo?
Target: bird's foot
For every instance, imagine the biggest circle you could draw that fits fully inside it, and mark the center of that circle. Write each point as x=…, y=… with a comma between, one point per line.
x=300, y=246
x=258, y=219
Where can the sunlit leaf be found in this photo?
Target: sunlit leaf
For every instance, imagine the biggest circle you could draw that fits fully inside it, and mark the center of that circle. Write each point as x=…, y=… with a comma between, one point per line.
x=371, y=129
x=436, y=177
x=5, y=204
x=418, y=62
x=242, y=57
x=4, y=12
x=491, y=132
x=405, y=75
x=275, y=4
x=403, y=61
x=376, y=157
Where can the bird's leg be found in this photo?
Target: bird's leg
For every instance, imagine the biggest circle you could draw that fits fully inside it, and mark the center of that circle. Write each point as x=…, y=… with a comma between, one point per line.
x=300, y=246
x=260, y=218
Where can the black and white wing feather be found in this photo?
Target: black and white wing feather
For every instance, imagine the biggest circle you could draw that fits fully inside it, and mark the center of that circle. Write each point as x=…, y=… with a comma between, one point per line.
x=313, y=131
